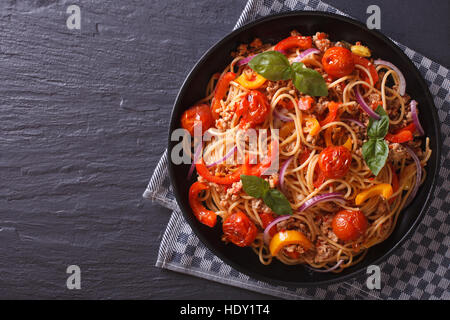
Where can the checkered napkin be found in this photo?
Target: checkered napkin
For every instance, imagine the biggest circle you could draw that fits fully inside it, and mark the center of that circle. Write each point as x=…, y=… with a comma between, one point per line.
x=419, y=269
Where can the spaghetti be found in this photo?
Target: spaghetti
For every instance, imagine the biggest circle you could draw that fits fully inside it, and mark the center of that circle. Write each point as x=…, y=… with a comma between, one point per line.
x=345, y=196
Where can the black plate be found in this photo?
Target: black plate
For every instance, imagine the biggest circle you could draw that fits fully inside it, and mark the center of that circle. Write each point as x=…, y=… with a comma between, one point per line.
x=272, y=29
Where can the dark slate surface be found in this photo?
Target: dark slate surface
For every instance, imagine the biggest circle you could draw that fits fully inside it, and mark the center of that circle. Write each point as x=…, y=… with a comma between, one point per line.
x=83, y=122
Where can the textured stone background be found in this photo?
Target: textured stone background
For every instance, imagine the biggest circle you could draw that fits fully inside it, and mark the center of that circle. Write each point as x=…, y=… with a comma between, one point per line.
x=83, y=120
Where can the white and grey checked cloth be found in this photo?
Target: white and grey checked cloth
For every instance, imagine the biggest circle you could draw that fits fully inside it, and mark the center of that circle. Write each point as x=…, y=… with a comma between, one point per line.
x=419, y=269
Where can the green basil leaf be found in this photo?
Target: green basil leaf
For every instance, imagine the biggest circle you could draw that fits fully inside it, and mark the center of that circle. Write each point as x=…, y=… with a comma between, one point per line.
x=309, y=81
x=276, y=201
x=375, y=153
x=378, y=129
x=254, y=186
x=272, y=65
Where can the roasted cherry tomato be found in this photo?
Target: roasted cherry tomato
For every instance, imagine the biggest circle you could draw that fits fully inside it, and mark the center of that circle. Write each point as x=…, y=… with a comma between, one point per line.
x=202, y=214
x=239, y=229
x=338, y=62
x=292, y=42
x=220, y=91
x=349, y=225
x=200, y=114
x=335, y=161
x=254, y=108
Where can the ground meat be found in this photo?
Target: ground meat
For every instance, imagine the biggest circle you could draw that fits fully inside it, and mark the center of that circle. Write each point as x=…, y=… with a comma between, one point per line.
x=396, y=152
x=242, y=50
x=256, y=46
x=294, y=224
x=294, y=248
x=310, y=139
x=343, y=44
x=273, y=86
x=236, y=187
x=321, y=106
x=374, y=98
x=273, y=180
x=324, y=251
x=382, y=208
x=256, y=43
x=326, y=228
x=226, y=116
x=260, y=206
x=295, y=33
x=321, y=41
x=393, y=109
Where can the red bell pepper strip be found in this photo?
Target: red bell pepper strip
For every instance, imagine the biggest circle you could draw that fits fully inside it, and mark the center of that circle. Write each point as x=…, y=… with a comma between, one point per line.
x=400, y=137
x=220, y=91
x=403, y=135
x=332, y=113
x=319, y=179
x=259, y=169
x=202, y=214
x=294, y=42
x=366, y=64
x=266, y=219
x=411, y=127
x=204, y=172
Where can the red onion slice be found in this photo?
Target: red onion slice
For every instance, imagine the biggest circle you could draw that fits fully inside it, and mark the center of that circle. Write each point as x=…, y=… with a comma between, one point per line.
x=357, y=122
x=402, y=84
x=327, y=270
x=281, y=116
x=266, y=236
x=283, y=171
x=229, y=154
x=247, y=59
x=415, y=117
x=418, y=174
x=306, y=53
x=197, y=155
x=323, y=197
x=365, y=107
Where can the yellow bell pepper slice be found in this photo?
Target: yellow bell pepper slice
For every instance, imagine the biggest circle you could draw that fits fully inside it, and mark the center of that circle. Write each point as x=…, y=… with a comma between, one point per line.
x=288, y=237
x=348, y=144
x=251, y=80
x=312, y=126
x=382, y=189
x=361, y=51
x=287, y=129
